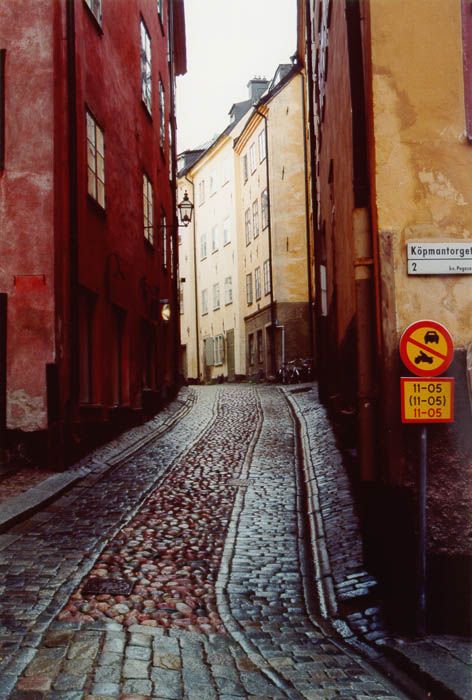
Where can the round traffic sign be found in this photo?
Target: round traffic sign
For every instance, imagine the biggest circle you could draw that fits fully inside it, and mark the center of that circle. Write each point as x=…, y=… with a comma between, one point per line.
x=426, y=348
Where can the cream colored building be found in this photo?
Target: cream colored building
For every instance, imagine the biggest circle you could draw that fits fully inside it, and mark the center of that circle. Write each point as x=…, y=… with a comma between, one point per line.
x=273, y=266
x=208, y=257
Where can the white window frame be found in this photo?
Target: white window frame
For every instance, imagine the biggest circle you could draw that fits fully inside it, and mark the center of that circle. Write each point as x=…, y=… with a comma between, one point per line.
x=257, y=283
x=216, y=296
x=228, y=290
x=218, y=350
x=264, y=209
x=262, y=145
x=214, y=238
x=204, y=302
x=148, y=210
x=247, y=225
x=267, y=276
x=162, y=116
x=146, y=67
x=255, y=218
x=249, y=298
x=226, y=230
x=203, y=246
x=95, y=160
x=252, y=157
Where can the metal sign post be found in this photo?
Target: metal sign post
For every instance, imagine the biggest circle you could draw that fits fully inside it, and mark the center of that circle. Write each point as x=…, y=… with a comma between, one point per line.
x=426, y=348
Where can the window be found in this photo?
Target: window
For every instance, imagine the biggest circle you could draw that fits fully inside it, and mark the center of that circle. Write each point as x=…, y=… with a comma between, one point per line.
x=262, y=146
x=181, y=299
x=203, y=246
x=216, y=296
x=214, y=239
x=209, y=349
x=245, y=171
x=164, y=240
x=267, y=277
x=3, y=54
x=228, y=290
x=146, y=85
x=247, y=225
x=260, y=354
x=95, y=8
x=252, y=157
x=148, y=210
x=95, y=161
x=218, y=350
x=251, y=348
x=171, y=246
x=226, y=231
x=257, y=282
x=249, y=288
x=204, y=301
x=265, y=209
x=201, y=191
x=213, y=182
x=159, y=10
x=255, y=218
x=162, y=108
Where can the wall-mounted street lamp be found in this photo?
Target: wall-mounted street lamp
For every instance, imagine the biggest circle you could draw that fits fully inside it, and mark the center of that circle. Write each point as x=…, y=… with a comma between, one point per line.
x=185, y=208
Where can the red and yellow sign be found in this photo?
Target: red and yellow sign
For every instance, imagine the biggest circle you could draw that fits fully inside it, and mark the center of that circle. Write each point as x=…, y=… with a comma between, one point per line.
x=426, y=348
x=427, y=400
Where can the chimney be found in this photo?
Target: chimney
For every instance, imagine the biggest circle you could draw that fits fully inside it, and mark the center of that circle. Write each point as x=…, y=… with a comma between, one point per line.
x=257, y=86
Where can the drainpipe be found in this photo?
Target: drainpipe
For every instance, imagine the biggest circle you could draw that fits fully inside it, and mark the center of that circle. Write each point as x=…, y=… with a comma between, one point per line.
x=73, y=213
x=174, y=228
x=307, y=221
x=273, y=321
x=197, y=327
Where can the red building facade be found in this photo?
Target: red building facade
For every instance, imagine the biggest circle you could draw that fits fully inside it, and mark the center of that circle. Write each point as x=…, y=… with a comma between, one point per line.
x=87, y=207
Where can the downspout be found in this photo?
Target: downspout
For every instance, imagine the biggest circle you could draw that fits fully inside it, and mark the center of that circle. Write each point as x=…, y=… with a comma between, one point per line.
x=307, y=222
x=73, y=214
x=174, y=228
x=273, y=320
x=197, y=328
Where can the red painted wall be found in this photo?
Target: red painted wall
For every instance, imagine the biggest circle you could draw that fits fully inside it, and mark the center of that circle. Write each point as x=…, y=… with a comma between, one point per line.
x=117, y=269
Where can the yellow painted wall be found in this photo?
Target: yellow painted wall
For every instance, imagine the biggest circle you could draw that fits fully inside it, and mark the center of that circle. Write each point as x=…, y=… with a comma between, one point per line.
x=423, y=163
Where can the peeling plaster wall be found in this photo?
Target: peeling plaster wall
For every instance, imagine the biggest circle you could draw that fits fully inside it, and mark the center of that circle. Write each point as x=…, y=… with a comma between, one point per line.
x=26, y=208
x=422, y=160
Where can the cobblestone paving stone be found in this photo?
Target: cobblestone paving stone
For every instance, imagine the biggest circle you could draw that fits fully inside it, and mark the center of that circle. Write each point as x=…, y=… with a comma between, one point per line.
x=273, y=649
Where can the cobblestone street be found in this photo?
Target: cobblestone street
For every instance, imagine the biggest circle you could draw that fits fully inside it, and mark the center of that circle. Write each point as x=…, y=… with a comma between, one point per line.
x=178, y=570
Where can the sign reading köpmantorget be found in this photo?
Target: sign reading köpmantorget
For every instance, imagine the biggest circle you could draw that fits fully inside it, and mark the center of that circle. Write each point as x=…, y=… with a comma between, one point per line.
x=438, y=258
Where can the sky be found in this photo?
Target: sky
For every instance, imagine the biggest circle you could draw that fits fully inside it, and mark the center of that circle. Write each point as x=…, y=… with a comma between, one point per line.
x=228, y=43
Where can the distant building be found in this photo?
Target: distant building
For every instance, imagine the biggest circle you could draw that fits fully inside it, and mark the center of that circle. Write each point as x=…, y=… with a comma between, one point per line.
x=87, y=200
x=246, y=263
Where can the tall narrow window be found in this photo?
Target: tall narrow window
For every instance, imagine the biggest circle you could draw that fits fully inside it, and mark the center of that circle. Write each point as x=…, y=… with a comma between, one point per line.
x=247, y=225
x=251, y=348
x=267, y=277
x=214, y=239
x=95, y=161
x=96, y=9
x=3, y=54
x=218, y=347
x=146, y=84
x=265, y=209
x=249, y=288
x=163, y=240
x=203, y=246
x=159, y=10
x=262, y=146
x=228, y=290
x=204, y=301
x=226, y=231
x=162, y=108
x=255, y=218
x=252, y=157
x=257, y=282
x=148, y=210
x=216, y=295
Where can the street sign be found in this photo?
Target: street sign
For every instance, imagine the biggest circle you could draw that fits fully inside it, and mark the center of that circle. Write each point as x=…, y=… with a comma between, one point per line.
x=426, y=348
x=439, y=258
x=427, y=400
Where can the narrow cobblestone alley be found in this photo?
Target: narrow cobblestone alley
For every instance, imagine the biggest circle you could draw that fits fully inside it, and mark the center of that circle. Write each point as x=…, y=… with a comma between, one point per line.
x=178, y=572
